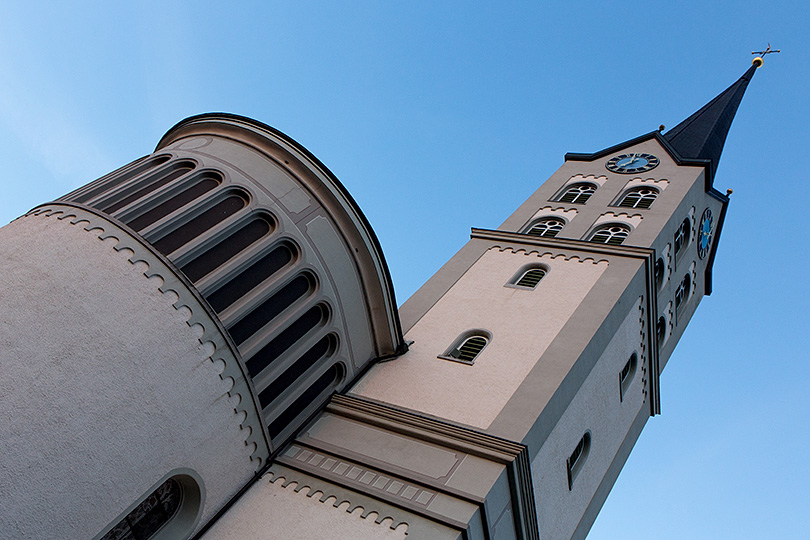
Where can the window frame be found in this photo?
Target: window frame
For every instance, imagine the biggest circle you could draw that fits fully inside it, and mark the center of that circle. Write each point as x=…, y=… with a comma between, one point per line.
x=627, y=375
x=520, y=274
x=635, y=189
x=461, y=340
x=576, y=461
x=184, y=520
x=605, y=226
x=684, y=292
x=685, y=227
x=568, y=187
x=535, y=222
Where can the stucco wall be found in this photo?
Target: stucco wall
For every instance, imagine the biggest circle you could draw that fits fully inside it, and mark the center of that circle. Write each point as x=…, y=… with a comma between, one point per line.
x=596, y=408
x=105, y=387
x=522, y=323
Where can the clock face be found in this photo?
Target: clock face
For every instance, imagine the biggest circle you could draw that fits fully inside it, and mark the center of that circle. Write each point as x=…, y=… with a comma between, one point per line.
x=632, y=163
x=705, y=234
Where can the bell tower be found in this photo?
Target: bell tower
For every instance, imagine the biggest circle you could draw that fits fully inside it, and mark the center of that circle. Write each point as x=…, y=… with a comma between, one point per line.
x=205, y=344
x=535, y=352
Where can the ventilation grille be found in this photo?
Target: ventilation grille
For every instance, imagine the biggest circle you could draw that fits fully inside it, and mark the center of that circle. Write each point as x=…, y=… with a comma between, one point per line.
x=531, y=278
x=252, y=276
x=469, y=349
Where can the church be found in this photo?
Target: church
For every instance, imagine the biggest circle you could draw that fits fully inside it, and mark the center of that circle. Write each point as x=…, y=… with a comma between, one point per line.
x=205, y=344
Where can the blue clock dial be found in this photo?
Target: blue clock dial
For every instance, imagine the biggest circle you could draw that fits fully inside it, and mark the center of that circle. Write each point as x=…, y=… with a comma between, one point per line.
x=705, y=234
x=632, y=163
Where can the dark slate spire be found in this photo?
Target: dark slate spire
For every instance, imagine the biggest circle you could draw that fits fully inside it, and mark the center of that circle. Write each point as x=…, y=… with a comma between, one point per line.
x=702, y=135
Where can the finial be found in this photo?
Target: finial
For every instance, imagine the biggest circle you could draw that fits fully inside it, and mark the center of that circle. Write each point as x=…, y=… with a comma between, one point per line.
x=729, y=192
x=662, y=127
x=758, y=61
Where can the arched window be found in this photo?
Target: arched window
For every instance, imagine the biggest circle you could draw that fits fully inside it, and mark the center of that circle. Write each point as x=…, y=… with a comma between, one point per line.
x=639, y=197
x=659, y=273
x=578, y=193
x=467, y=348
x=548, y=227
x=661, y=330
x=682, y=236
x=577, y=458
x=531, y=278
x=626, y=375
x=613, y=234
x=682, y=292
x=170, y=511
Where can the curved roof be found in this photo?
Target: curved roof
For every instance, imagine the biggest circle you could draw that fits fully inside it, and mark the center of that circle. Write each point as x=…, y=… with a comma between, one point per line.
x=330, y=192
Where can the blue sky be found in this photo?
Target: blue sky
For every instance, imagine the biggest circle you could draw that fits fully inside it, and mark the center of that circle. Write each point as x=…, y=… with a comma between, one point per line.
x=441, y=116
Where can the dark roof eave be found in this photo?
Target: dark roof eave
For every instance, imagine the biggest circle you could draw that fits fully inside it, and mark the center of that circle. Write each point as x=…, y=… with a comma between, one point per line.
x=705, y=163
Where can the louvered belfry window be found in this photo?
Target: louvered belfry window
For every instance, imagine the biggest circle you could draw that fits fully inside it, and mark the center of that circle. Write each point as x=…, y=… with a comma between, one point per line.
x=548, y=227
x=468, y=350
x=641, y=197
x=578, y=193
x=531, y=278
x=611, y=234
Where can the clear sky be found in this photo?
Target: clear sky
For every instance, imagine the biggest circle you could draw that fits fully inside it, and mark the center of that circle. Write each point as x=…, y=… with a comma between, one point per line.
x=441, y=116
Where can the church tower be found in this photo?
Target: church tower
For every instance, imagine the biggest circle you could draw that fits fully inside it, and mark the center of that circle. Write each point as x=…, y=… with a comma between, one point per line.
x=205, y=344
x=535, y=352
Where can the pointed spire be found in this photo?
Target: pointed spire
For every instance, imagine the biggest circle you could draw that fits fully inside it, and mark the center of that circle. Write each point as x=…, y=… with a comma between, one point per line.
x=702, y=135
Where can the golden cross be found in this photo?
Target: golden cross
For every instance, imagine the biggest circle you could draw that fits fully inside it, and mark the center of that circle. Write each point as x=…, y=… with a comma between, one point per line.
x=766, y=51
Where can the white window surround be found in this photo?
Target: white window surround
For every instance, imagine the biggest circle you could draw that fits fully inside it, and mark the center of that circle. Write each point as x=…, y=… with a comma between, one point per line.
x=559, y=212
x=591, y=178
x=611, y=231
x=660, y=184
x=523, y=270
x=185, y=518
x=454, y=350
x=625, y=218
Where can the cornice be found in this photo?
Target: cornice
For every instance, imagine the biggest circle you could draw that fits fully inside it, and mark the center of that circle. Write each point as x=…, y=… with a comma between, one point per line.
x=636, y=252
x=349, y=472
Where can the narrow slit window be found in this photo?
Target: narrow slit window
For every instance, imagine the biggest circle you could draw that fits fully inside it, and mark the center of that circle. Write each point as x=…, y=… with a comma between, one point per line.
x=640, y=197
x=576, y=460
x=659, y=274
x=198, y=188
x=626, y=375
x=314, y=317
x=117, y=178
x=299, y=287
x=682, y=236
x=227, y=248
x=610, y=234
x=202, y=222
x=661, y=330
x=316, y=354
x=144, y=187
x=251, y=277
x=682, y=292
x=315, y=393
x=547, y=227
x=578, y=193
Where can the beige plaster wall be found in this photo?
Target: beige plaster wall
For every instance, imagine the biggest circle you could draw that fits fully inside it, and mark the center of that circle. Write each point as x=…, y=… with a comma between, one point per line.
x=270, y=511
x=597, y=408
x=522, y=322
x=105, y=388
